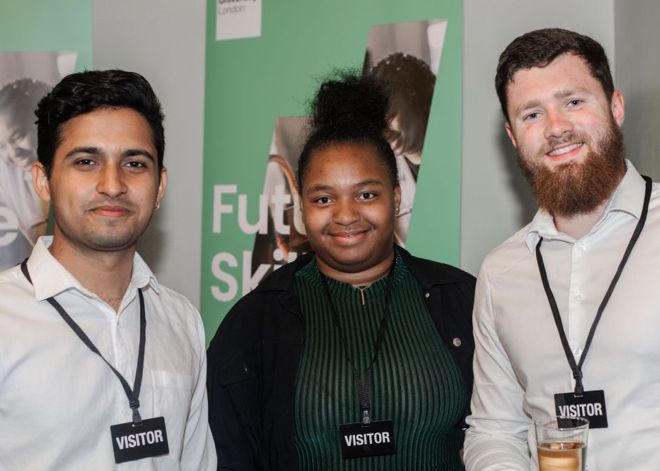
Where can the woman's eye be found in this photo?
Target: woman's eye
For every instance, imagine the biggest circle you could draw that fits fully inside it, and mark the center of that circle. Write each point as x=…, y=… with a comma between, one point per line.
x=367, y=195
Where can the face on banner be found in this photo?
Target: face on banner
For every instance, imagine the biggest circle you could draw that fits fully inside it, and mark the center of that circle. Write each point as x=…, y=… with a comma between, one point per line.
x=23, y=214
x=17, y=141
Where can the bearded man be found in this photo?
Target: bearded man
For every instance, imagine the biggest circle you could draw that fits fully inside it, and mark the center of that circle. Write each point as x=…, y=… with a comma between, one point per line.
x=567, y=311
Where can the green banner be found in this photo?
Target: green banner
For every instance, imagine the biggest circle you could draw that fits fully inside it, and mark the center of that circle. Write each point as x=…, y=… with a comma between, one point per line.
x=258, y=83
x=43, y=25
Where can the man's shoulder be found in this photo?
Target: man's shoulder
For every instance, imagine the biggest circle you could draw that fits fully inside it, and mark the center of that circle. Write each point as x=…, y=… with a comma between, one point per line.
x=177, y=304
x=508, y=254
x=175, y=296
x=12, y=279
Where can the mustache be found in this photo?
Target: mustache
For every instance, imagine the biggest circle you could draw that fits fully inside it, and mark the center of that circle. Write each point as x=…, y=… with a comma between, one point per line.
x=553, y=142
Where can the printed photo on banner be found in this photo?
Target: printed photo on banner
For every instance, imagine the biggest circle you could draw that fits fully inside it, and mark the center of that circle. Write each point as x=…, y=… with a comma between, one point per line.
x=25, y=77
x=406, y=57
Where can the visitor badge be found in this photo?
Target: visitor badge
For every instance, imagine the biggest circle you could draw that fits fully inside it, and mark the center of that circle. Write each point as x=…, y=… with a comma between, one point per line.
x=590, y=405
x=359, y=440
x=135, y=441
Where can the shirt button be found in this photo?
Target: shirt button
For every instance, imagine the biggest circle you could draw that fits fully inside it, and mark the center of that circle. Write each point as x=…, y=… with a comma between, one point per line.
x=578, y=297
x=427, y=295
x=457, y=342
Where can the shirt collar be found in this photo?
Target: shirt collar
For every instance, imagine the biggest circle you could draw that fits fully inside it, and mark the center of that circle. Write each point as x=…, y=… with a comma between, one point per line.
x=50, y=278
x=627, y=197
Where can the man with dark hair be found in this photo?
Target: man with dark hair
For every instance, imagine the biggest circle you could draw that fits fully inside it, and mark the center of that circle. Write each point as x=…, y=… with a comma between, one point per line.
x=99, y=363
x=566, y=312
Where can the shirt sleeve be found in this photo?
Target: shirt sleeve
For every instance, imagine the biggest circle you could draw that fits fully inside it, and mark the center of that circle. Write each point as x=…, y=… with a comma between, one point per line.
x=497, y=435
x=198, y=453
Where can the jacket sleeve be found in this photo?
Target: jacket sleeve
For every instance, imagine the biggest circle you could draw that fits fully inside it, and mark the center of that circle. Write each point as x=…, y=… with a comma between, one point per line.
x=233, y=394
x=497, y=435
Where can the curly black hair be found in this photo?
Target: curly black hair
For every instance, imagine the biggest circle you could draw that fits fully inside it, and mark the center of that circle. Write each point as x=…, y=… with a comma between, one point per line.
x=349, y=108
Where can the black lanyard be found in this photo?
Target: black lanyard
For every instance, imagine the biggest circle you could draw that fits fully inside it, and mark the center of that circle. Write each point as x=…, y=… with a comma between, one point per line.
x=577, y=367
x=132, y=394
x=363, y=386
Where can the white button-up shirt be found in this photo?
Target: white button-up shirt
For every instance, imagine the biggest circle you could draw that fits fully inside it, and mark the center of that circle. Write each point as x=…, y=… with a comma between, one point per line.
x=519, y=362
x=58, y=399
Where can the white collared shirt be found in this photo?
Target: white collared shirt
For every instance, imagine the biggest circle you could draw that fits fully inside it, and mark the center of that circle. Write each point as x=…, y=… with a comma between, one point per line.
x=519, y=362
x=58, y=399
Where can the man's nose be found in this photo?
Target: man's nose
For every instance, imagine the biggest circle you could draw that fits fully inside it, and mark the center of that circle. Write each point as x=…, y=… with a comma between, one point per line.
x=557, y=124
x=110, y=181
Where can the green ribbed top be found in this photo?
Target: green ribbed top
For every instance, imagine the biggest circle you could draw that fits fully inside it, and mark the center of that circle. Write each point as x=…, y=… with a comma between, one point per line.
x=416, y=382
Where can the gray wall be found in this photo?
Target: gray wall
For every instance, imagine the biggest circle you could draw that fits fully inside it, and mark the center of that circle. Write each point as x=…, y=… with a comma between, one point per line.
x=164, y=41
x=496, y=200
x=638, y=76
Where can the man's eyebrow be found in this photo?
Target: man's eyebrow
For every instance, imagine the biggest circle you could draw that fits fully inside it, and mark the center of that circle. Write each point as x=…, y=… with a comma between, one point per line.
x=568, y=92
x=533, y=103
x=138, y=152
x=83, y=150
x=92, y=150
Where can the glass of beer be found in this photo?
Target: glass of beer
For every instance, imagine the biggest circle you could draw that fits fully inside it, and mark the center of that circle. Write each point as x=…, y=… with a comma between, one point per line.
x=561, y=443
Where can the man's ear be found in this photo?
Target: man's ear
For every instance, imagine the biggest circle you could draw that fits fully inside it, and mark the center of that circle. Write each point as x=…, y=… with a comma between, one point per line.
x=40, y=181
x=162, y=185
x=617, y=107
x=509, y=132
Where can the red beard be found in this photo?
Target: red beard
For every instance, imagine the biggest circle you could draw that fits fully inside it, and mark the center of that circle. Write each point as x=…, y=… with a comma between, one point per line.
x=579, y=187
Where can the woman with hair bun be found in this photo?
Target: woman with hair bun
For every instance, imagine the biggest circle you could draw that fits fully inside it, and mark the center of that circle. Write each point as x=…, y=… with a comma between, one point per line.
x=356, y=356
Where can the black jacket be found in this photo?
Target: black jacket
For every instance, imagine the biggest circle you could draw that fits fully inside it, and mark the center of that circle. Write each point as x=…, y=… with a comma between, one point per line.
x=254, y=357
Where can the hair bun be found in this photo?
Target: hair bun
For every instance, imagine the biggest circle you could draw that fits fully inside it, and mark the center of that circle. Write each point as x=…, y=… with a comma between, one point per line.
x=348, y=99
